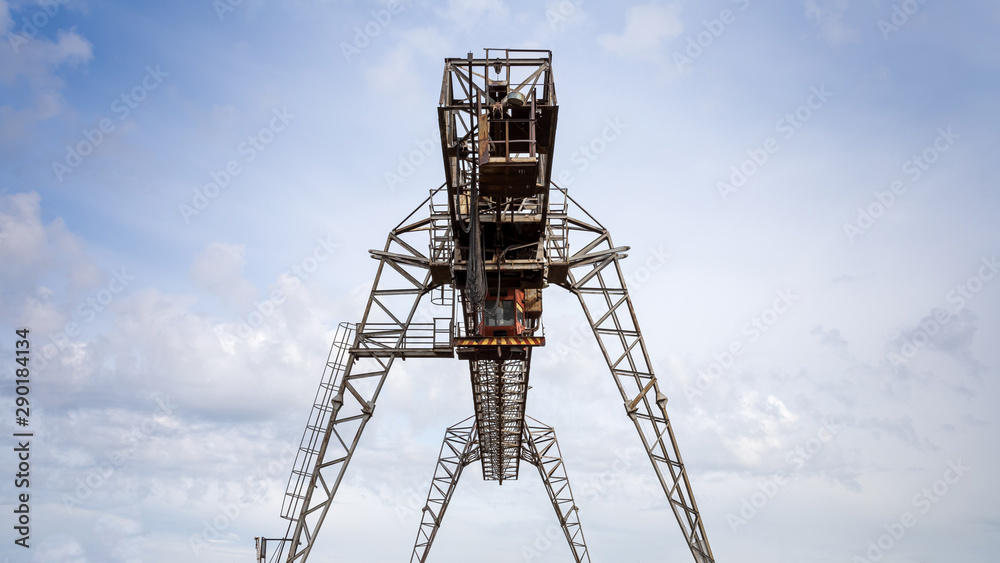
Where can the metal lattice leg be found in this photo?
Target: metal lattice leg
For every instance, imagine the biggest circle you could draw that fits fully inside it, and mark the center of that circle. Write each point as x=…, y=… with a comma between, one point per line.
x=594, y=275
x=355, y=373
x=458, y=450
x=542, y=451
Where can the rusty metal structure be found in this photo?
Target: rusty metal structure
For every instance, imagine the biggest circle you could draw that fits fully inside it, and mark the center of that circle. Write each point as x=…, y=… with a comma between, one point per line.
x=463, y=277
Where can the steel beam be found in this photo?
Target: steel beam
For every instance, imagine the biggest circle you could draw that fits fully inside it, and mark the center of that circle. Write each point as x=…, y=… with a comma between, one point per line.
x=542, y=450
x=539, y=448
x=352, y=380
x=460, y=448
x=600, y=286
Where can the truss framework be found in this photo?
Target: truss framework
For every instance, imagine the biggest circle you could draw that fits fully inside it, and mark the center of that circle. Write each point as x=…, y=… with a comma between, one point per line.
x=395, y=325
x=542, y=451
x=458, y=450
x=392, y=327
x=539, y=448
x=499, y=392
x=595, y=276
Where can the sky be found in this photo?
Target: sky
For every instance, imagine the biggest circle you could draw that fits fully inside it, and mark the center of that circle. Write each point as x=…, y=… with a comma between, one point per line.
x=807, y=189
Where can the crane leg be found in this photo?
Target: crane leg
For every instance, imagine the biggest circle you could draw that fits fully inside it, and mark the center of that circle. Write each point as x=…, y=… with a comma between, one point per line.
x=541, y=449
x=356, y=370
x=460, y=448
x=594, y=275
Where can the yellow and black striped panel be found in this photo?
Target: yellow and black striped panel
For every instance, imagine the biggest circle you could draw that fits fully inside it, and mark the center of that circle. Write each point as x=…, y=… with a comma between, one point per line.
x=501, y=341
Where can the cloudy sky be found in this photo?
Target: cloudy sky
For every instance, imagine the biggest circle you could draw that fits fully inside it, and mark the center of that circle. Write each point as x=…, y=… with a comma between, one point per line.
x=808, y=185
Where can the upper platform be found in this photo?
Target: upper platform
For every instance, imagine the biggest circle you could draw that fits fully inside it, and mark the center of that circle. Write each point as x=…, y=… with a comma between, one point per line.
x=497, y=118
x=499, y=113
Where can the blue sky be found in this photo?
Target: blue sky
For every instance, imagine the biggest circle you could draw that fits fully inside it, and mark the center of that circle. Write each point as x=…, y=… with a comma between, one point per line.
x=814, y=183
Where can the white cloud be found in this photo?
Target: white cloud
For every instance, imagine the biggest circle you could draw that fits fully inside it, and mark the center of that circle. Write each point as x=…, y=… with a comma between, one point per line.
x=467, y=14
x=646, y=27
x=219, y=269
x=35, y=60
x=31, y=251
x=399, y=67
x=829, y=18
x=59, y=549
x=766, y=428
x=23, y=235
x=225, y=395
x=561, y=15
x=6, y=21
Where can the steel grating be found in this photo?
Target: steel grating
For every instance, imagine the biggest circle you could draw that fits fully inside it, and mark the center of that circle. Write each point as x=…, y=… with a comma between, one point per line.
x=499, y=391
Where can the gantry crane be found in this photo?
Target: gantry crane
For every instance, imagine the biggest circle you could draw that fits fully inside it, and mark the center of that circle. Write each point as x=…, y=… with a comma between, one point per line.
x=463, y=276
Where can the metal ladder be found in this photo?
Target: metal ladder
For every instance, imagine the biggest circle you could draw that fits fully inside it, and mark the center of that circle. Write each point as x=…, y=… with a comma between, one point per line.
x=319, y=419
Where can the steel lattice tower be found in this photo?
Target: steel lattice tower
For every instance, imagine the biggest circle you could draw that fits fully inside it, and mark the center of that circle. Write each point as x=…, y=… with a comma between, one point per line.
x=477, y=254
